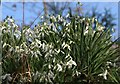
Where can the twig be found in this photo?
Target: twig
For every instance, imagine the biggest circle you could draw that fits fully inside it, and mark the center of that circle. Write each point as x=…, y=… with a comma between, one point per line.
x=23, y=12
x=36, y=18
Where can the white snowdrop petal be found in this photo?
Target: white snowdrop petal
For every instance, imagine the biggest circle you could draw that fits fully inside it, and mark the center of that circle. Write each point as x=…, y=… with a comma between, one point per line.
x=59, y=67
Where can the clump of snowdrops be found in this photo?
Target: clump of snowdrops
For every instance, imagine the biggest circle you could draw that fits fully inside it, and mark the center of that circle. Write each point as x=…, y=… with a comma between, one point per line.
x=65, y=49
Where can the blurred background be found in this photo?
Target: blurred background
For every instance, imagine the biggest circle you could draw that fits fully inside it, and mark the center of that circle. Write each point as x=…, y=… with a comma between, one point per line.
x=30, y=13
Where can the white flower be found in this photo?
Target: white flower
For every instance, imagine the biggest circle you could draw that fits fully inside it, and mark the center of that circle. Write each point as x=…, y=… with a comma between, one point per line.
x=71, y=42
x=77, y=73
x=86, y=32
x=67, y=15
x=11, y=49
x=62, y=52
x=42, y=17
x=38, y=52
x=45, y=23
x=104, y=74
x=113, y=30
x=83, y=19
x=64, y=23
x=30, y=31
x=11, y=20
x=109, y=63
x=68, y=56
x=59, y=67
x=68, y=24
x=43, y=46
x=53, y=59
x=4, y=45
x=100, y=28
x=58, y=51
x=66, y=45
x=87, y=27
x=70, y=63
x=21, y=50
x=51, y=74
x=93, y=19
x=61, y=19
x=53, y=18
x=80, y=4
x=94, y=31
x=17, y=33
x=39, y=42
x=14, y=25
x=58, y=17
x=0, y=63
x=3, y=28
x=49, y=66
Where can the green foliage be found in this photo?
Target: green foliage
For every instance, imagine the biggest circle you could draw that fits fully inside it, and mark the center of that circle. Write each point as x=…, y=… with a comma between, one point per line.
x=63, y=50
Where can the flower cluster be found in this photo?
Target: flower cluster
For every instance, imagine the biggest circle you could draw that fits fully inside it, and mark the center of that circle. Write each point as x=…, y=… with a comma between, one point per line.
x=58, y=51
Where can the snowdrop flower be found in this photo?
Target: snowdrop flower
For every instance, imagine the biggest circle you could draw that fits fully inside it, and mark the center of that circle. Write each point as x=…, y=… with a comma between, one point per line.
x=86, y=32
x=17, y=48
x=83, y=19
x=100, y=28
x=75, y=26
x=54, y=28
x=93, y=19
x=64, y=23
x=42, y=17
x=45, y=47
x=11, y=49
x=80, y=4
x=67, y=15
x=104, y=74
x=50, y=74
x=17, y=33
x=71, y=42
x=68, y=56
x=49, y=66
x=70, y=63
x=7, y=77
x=21, y=50
x=9, y=19
x=77, y=73
x=28, y=31
x=63, y=44
x=45, y=23
x=39, y=42
x=54, y=60
x=38, y=52
x=66, y=45
x=62, y=52
x=4, y=45
x=47, y=55
x=59, y=17
x=59, y=67
x=109, y=63
x=113, y=30
x=68, y=24
x=2, y=28
x=53, y=18
x=89, y=19
x=94, y=31
x=0, y=63
x=14, y=25
x=58, y=51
